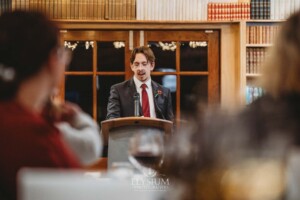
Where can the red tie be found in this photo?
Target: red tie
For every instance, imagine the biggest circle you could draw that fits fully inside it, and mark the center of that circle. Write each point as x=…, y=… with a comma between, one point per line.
x=145, y=101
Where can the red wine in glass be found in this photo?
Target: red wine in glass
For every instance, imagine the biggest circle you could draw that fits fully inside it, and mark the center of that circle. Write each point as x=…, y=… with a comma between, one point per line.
x=148, y=159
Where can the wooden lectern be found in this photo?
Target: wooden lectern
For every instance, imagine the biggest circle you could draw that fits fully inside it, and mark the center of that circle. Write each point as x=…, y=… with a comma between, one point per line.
x=117, y=132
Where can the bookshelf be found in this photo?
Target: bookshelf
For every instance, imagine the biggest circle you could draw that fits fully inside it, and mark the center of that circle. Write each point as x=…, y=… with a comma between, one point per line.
x=135, y=22
x=174, y=10
x=258, y=38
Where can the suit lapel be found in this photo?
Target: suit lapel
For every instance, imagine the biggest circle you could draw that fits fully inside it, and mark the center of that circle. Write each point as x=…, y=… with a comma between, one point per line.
x=132, y=89
x=156, y=88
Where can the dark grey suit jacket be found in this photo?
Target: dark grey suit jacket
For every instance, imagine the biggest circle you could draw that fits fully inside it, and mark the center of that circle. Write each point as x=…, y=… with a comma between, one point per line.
x=121, y=102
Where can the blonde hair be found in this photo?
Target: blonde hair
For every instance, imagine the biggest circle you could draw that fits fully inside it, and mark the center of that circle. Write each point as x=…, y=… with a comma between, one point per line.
x=281, y=71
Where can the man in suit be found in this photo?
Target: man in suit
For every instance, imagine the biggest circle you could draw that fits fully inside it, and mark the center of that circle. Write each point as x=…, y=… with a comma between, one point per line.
x=155, y=100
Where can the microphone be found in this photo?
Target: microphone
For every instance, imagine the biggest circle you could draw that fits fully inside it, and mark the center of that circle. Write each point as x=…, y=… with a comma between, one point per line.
x=136, y=98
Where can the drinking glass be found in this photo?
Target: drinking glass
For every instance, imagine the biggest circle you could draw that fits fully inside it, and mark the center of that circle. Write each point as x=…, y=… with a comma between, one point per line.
x=146, y=151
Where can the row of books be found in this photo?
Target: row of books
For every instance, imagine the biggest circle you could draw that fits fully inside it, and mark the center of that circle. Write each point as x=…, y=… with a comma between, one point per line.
x=281, y=9
x=81, y=9
x=228, y=11
x=273, y=9
x=120, y=9
x=160, y=9
x=260, y=9
x=261, y=34
x=5, y=5
x=253, y=93
x=254, y=58
x=255, y=9
x=171, y=9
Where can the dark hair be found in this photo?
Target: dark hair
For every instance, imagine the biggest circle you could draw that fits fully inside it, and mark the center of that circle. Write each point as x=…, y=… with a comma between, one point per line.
x=26, y=41
x=144, y=50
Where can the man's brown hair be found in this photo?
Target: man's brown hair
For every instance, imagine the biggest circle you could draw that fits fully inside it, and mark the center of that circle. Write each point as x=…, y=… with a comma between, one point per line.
x=144, y=50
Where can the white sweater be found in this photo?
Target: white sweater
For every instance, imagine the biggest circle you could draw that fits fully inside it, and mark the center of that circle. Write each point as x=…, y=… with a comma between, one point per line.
x=83, y=137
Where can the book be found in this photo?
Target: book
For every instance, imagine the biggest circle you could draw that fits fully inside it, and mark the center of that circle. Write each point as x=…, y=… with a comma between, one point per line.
x=58, y=9
x=110, y=9
x=102, y=9
x=95, y=9
x=126, y=11
x=133, y=11
x=106, y=5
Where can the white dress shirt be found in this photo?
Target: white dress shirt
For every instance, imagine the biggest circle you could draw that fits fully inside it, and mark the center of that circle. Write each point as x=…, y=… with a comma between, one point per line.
x=138, y=84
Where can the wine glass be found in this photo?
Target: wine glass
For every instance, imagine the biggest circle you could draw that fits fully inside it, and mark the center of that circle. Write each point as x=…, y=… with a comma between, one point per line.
x=146, y=152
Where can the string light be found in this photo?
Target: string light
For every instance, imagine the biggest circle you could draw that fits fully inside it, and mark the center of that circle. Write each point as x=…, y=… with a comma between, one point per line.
x=118, y=44
x=167, y=46
x=73, y=46
x=88, y=44
x=195, y=44
x=70, y=45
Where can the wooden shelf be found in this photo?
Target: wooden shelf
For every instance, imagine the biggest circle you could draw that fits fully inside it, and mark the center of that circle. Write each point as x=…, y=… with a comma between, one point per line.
x=265, y=20
x=138, y=24
x=259, y=45
x=253, y=75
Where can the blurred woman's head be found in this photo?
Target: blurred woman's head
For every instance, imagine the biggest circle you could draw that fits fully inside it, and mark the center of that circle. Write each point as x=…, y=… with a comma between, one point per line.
x=282, y=67
x=27, y=39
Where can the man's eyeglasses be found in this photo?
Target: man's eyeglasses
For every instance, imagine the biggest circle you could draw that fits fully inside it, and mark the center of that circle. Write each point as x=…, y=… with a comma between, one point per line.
x=137, y=64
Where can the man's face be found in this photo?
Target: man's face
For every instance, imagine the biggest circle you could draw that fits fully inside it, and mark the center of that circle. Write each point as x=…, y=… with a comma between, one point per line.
x=141, y=67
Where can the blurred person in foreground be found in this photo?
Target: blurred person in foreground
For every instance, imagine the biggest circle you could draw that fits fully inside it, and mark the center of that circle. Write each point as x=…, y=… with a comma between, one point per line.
x=32, y=63
x=78, y=129
x=253, y=154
